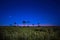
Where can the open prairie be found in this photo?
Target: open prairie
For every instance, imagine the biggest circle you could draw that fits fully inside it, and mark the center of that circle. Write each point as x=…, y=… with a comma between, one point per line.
x=29, y=33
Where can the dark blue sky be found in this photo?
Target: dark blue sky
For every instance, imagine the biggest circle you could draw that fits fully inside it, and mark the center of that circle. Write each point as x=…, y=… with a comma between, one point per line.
x=43, y=11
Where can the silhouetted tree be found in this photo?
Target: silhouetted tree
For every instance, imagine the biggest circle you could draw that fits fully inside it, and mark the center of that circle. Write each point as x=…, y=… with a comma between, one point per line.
x=38, y=24
x=15, y=24
x=24, y=22
x=33, y=25
x=28, y=23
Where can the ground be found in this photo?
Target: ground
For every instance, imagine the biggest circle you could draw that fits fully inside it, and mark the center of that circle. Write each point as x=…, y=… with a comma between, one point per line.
x=29, y=33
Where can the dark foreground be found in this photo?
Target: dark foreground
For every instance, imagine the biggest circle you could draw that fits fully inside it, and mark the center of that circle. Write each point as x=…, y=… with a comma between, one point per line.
x=29, y=33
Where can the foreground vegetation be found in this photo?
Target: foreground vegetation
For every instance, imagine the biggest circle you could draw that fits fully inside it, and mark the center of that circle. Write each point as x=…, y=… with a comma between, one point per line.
x=29, y=33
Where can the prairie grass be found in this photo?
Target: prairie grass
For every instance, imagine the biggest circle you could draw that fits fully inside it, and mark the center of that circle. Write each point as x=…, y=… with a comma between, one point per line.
x=29, y=33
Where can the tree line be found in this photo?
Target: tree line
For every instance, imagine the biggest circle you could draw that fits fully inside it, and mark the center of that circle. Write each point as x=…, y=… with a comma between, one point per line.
x=24, y=23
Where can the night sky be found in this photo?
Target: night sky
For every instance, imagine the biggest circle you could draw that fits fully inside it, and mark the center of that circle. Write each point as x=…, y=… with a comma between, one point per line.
x=42, y=11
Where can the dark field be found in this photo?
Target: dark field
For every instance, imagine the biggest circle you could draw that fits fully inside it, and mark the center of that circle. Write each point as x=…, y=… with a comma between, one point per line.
x=29, y=33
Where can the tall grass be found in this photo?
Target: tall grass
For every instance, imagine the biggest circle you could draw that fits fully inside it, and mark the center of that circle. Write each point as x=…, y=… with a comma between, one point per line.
x=17, y=33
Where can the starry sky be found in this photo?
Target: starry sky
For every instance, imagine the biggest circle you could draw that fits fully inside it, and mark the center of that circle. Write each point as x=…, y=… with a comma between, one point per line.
x=34, y=11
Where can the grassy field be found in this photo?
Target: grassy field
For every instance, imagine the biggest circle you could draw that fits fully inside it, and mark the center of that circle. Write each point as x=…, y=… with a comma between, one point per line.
x=29, y=33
